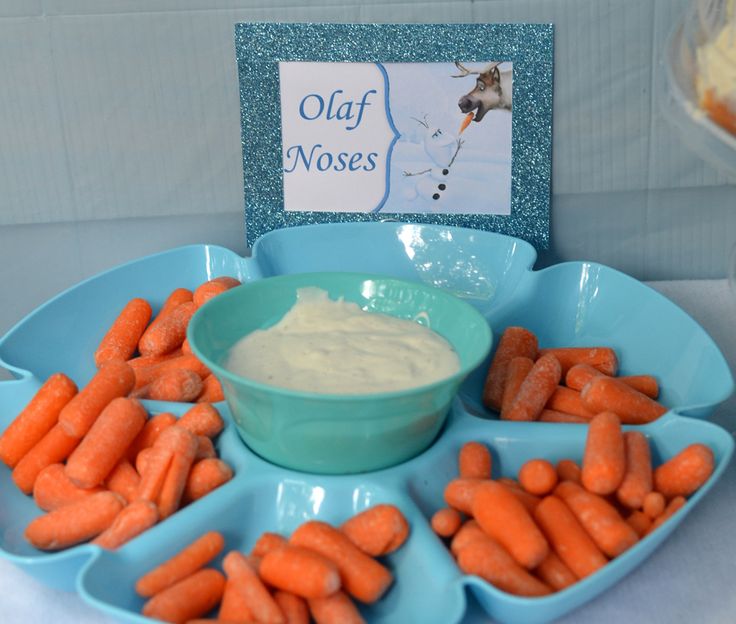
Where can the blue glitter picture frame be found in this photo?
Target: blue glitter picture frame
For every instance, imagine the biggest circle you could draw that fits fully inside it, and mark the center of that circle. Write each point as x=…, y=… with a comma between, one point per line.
x=261, y=46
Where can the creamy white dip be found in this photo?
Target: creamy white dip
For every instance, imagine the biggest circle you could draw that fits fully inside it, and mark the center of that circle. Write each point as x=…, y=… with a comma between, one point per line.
x=334, y=347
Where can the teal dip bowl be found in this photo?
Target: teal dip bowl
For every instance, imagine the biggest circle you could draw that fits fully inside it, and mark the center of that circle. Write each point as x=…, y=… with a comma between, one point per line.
x=337, y=433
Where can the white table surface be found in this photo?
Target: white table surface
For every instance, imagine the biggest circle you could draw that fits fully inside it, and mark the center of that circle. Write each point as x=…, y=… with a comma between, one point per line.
x=689, y=579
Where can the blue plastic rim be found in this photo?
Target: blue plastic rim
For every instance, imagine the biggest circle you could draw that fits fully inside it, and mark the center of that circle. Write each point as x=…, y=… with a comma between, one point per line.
x=572, y=304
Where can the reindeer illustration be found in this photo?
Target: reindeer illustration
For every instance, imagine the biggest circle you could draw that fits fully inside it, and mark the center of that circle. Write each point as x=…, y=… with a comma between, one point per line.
x=492, y=90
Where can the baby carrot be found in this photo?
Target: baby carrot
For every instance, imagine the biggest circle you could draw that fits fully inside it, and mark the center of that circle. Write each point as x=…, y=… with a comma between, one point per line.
x=673, y=506
x=53, y=448
x=121, y=340
x=446, y=521
x=530, y=501
x=299, y=570
x=151, y=430
x=474, y=461
x=124, y=479
x=205, y=476
x=468, y=533
x=685, y=472
x=146, y=375
x=554, y=572
x=516, y=371
x=604, y=458
x=514, y=341
x=205, y=448
x=177, y=297
x=53, y=489
x=114, y=379
x=637, y=481
x=568, y=538
x=654, y=504
x=183, y=445
x=568, y=470
x=36, y=419
x=611, y=533
x=459, y=493
x=106, y=442
x=535, y=390
x=133, y=519
x=293, y=607
x=550, y=415
x=646, y=384
x=466, y=121
x=74, y=523
x=501, y=516
x=378, y=530
x=206, y=291
x=538, y=476
x=211, y=390
x=188, y=599
x=266, y=542
x=603, y=359
x=639, y=521
x=153, y=465
x=180, y=385
x=254, y=593
x=489, y=560
x=609, y=394
x=168, y=332
x=203, y=419
x=187, y=561
x=335, y=609
x=568, y=401
x=362, y=576
x=580, y=374
x=233, y=607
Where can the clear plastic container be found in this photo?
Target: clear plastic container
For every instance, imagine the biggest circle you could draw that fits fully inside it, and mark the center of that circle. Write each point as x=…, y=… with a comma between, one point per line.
x=700, y=81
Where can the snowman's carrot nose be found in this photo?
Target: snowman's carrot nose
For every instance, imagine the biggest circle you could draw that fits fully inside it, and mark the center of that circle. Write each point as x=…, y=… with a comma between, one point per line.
x=466, y=121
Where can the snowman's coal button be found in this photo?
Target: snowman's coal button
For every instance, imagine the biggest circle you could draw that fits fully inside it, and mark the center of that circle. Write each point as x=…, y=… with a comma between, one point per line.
x=436, y=196
x=445, y=171
x=442, y=187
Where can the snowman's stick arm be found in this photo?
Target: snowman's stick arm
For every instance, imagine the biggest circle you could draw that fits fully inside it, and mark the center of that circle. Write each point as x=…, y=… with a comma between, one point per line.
x=407, y=174
x=457, y=151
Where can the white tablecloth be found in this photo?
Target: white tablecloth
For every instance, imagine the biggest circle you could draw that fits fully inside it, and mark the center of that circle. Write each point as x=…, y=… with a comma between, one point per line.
x=689, y=579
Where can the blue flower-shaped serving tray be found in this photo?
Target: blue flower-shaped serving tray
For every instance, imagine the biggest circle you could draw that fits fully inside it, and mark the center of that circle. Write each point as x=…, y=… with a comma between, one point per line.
x=570, y=304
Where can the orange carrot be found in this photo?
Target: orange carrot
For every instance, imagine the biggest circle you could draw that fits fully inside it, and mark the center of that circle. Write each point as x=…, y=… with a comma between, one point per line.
x=180, y=385
x=252, y=590
x=335, y=609
x=362, y=576
x=299, y=570
x=719, y=109
x=601, y=358
x=266, y=542
x=469, y=532
x=654, y=504
x=568, y=401
x=151, y=430
x=611, y=533
x=114, y=379
x=466, y=121
x=554, y=572
x=637, y=481
x=206, y=291
x=684, y=473
x=153, y=471
x=516, y=372
x=134, y=519
x=53, y=448
x=673, y=506
x=36, y=419
x=501, y=516
x=205, y=448
x=646, y=384
x=378, y=530
x=233, y=607
x=604, y=459
x=474, y=461
x=639, y=521
x=459, y=494
x=568, y=470
x=53, y=489
x=106, y=442
x=538, y=476
x=530, y=501
x=168, y=331
x=183, y=444
x=74, y=523
x=514, y=341
x=121, y=340
x=211, y=390
x=568, y=538
x=188, y=599
x=205, y=476
x=488, y=559
x=146, y=375
x=203, y=419
x=580, y=374
x=293, y=607
x=146, y=361
x=446, y=521
x=535, y=390
x=124, y=479
x=609, y=394
x=550, y=415
x=143, y=460
x=176, y=298
x=184, y=563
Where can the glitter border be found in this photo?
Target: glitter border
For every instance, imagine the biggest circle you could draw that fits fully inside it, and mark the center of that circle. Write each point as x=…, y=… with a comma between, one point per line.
x=259, y=47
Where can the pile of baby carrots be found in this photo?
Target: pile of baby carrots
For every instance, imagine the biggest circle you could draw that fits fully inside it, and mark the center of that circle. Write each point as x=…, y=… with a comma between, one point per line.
x=157, y=350
x=564, y=384
x=556, y=524
x=100, y=467
x=316, y=574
